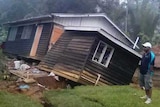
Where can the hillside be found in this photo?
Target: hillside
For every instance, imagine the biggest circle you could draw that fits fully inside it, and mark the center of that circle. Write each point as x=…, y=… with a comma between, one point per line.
x=103, y=96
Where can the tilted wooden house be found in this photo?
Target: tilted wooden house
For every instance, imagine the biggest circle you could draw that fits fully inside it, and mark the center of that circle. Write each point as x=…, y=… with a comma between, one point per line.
x=87, y=48
x=31, y=38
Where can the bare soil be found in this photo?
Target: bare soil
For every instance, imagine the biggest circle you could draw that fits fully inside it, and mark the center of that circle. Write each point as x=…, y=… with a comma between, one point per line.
x=34, y=91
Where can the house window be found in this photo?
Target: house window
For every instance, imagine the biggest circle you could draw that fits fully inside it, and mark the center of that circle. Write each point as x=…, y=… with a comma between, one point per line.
x=12, y=34
x=27, y=30
x=19, y=32
x=103, y=54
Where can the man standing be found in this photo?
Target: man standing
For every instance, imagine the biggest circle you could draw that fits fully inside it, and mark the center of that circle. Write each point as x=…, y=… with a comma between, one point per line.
x=146, y=71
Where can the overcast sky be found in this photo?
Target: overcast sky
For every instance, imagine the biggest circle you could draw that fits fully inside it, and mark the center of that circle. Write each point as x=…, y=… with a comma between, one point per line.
x=122, y=1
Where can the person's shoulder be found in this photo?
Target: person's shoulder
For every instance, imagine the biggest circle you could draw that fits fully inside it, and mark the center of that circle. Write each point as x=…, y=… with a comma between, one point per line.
x=152, y=54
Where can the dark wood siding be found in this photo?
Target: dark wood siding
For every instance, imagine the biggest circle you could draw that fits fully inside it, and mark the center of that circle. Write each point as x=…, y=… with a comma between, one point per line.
x=56, y=51
x=44, y=40
x=73, y=53
x=71, y=50
x=121, y=67
x=20, y=46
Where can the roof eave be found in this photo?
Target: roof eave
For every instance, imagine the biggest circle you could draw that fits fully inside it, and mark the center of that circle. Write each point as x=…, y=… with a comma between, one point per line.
x=39, y=18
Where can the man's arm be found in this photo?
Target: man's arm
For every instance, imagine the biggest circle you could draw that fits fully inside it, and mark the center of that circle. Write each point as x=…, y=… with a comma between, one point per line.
x=152, y=60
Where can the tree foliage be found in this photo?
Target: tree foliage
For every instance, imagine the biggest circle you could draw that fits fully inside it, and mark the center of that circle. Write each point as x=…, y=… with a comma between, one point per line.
x=143, y=15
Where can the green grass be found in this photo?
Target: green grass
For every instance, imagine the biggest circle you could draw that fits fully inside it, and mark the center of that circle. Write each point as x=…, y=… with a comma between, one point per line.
x=103, y=96
x=18, y=100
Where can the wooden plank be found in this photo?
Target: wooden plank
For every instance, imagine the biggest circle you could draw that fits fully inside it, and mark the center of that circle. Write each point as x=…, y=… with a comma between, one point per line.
x=45, y=68
x=93, y=77
x=58, y=70
x=27, y=75
x=36, y=40
x=105, y=74
x=87, y=81
x=67, y=73
x=79, y=45
x=44, y=39
x=18, y=74
x=66, y=68
x=74, y=75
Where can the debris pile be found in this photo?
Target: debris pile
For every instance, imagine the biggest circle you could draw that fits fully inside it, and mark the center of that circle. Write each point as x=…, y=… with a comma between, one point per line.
x=27, y=74
x=24, y=71
x=26, y=78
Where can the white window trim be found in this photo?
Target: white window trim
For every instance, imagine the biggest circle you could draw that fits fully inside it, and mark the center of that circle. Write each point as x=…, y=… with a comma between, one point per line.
x=102, y=55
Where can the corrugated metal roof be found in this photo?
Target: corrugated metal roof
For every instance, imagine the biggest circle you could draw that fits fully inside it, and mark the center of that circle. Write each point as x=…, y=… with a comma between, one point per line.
x=71, y=15
x=93, y=15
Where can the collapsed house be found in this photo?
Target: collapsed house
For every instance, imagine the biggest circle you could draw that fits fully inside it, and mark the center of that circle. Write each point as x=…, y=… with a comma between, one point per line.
x=84, y=48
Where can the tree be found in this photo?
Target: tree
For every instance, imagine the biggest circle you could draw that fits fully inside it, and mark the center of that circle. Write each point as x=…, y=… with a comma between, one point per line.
x=144, y=16
x=114, y=10
x=3, y=34
x=71, y=6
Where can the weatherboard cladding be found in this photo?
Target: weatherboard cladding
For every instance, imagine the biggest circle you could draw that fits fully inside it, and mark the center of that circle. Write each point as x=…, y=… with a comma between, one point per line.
x=121, y=66
x=75, y=50
x=44, y=40
x=70, y=50
x=52, y=56
x=20, y=46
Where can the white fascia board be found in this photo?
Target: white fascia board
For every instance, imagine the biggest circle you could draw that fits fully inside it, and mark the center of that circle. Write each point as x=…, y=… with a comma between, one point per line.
x=82, y=28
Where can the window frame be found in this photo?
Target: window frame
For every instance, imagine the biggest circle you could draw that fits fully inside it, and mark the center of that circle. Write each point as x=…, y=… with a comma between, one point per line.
x=19, y=32
x=103, y=54
x=26, y=29
x=12, y=34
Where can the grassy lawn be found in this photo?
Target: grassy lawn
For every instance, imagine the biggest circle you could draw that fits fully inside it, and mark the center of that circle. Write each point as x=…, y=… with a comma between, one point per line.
x=104, y=96
x=12, y=100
